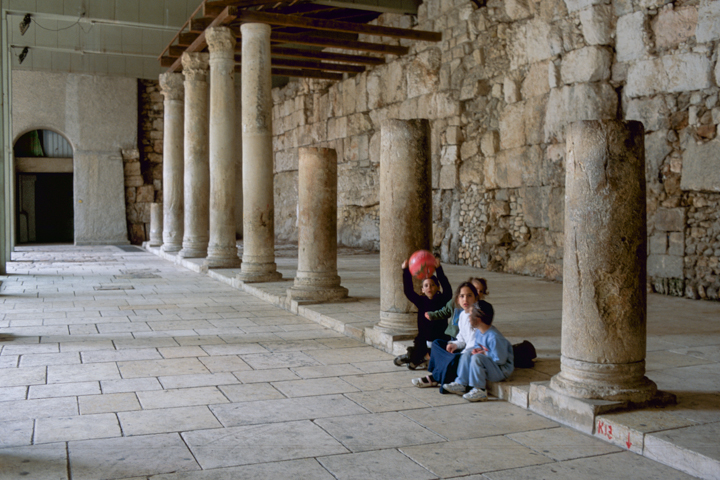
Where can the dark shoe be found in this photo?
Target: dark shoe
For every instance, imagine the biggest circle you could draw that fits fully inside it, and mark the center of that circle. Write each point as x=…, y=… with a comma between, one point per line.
x=401, y=360
x=420, y=366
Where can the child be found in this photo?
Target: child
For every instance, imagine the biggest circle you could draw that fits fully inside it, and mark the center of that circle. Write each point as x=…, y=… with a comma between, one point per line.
x=445, y=355
x=431, y=299
x=490, y=360
x=450, y=309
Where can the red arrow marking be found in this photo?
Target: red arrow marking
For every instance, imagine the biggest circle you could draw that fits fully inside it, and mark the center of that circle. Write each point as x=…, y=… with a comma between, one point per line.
x=628, y=442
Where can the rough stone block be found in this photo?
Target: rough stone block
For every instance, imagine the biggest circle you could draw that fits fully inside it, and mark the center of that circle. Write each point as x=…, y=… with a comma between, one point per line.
x=575, y=5
x=531, y=165
x=490, y=143
x=652, y=112
x=448, y=177
x=671, y=73
x=511, y=91
x=556, y=210
x=534, y=120
x=553, y=74
x=670, y=219
x=132, y=169
x=597, y=24
x=356, y=148
x=542, y=41
x=676, y=244
x=553, y=166
x=536, y=81
x=701, y=168
x=453, y=135
x=708, y=28
x=469, y=149
x=134, y=181
x=422, y=73
x=656, y=149
x=595, y=101
x=449, y=155
x=517, y=9
x=286, y=160
x=630, y=41
x=146, y=193
x=535, y=206
x=512, y=126
x=589, y=64
x=657, y=244
x=507, y=169
x=357, y=186
x=673, y=27
x=665, y=266
x=471, y=172
x=473, y=88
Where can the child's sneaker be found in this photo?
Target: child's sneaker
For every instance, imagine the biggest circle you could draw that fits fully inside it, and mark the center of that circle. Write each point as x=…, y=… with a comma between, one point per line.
x=420, y=366
x=476, y=395
x=454, y=387
x=401, y=360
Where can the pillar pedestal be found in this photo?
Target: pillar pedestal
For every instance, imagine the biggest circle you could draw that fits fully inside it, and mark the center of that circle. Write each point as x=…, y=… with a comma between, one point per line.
x=173, y=90
x=258, y=261
x=222, y=248
x=604, y=268
x=405, y=216
x=156, y=224
x=317, y=279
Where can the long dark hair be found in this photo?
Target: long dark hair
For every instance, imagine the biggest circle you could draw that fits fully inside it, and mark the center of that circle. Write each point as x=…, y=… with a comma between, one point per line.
x=482, y=282
x=460, y=287
x=483, y=311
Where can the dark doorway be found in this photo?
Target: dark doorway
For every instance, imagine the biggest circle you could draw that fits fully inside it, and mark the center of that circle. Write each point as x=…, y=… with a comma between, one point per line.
x=44, y=167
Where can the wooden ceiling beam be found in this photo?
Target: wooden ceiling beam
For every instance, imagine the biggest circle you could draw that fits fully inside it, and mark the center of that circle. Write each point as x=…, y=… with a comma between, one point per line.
x=333, y=57
x=288, y=72
x=246, y=16
x=227, y=16
x=309, y=65
x=215, y=8
x=302, y=39
x=186, y=39
x=200, y=24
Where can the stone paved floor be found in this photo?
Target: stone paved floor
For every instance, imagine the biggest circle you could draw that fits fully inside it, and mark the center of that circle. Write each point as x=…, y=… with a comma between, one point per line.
x=118, y=365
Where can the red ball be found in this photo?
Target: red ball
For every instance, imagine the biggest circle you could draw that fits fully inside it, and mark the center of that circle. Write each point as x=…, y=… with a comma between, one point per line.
x=422, y=264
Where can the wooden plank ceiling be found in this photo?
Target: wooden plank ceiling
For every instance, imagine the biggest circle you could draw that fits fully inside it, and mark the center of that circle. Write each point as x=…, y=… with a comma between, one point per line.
x=301, y=31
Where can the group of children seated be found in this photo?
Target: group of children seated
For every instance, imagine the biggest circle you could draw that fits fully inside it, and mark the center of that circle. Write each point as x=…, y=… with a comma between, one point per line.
x=462, y=355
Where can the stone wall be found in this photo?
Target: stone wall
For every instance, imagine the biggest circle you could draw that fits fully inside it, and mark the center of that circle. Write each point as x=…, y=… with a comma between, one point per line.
x=143, y=166
x=499, y=90
x=98, y=116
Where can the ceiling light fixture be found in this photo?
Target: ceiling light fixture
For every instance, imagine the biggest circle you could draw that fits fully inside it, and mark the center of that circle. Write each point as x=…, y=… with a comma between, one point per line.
x=25, y=23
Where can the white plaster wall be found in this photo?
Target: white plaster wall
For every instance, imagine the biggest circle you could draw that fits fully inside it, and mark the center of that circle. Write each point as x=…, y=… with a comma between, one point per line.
x=98, y=116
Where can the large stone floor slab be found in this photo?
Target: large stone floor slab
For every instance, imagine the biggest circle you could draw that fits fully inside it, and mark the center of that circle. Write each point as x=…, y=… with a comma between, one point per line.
x=185, y=377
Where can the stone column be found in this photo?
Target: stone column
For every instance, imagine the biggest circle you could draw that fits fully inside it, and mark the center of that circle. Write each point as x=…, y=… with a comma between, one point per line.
x=197, y=171
x=405, y=215
x=604, y=294
x=156, y=224
x=173, y=163
x=222, y=249
x=317, y=279
x=258, y=261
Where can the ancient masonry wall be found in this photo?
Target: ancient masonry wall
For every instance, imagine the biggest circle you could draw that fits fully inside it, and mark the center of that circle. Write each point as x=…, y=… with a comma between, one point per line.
x=499, y=90
x=143, y=167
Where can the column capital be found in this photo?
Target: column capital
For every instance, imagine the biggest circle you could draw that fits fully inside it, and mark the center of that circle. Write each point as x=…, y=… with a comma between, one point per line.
x=171, y=85
x=220, y=40
x=195, y=65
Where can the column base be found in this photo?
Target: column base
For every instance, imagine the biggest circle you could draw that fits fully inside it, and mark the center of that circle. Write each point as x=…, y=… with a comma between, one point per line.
x=258, y=272
x=171, y=247
x=308, y=294
x=192, y=252
x=395, y=323
x=222, y=262
x=155, y=243
x=602, y=381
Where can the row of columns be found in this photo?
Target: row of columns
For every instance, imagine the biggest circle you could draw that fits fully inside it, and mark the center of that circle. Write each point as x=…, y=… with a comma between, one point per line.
x=604, y=300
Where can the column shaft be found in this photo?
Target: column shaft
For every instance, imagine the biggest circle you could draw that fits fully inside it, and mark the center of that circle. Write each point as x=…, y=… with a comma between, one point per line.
x=156, y=224
x=317, y=279
x=604, y=294
x=405, y=215
x=222, y=248
x=173, y=161
x=258, y=261
x=197, y=171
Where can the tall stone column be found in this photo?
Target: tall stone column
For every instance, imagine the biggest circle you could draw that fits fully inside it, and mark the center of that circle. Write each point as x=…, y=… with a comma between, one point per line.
x=156, y=224
x=222, y=249
x=405, y=215
x=604, y=296
x=258, y=261
x=173, y=90
x=197, y=171
x=317, y=279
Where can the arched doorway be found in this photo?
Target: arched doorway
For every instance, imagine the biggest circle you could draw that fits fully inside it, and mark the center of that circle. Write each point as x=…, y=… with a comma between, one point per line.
x=44, y=187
